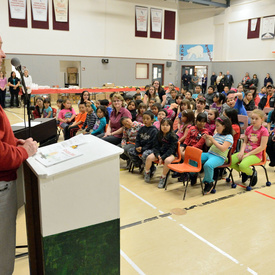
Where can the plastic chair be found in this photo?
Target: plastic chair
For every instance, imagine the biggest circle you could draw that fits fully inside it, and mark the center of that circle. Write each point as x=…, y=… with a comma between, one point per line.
x=191, y=153
x=243, y=120
x=106, y=127
x=226, y=165
x=262, y=164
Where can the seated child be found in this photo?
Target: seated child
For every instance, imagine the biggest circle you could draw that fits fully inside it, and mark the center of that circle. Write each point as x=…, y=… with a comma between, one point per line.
x=164, y=150
x=248, y=101
x=215, y=157
x=200, y=106
x=137, y=97
x=140, y=111
x=270, y=121
x=39, y=107
x=253, y=90
x=130, y=130
x=194, y=139
x=211, y=119
x=90, y=120
x=71, y=130
x=128, y=98
x=255, y=141
x=236, y=104
x=172, y=99
x=225, y=90
x=47, y=111
x=232, y=114
x=209, y=96
x=184, y=105
x=161, y=115
x=187, y=120
x=155, y=110
x=144, y=141
x=152, y=101
x=188, y=95
x=59, y=103
x=132, y=107
x=102, y=120
x=219, y=100
x=67, y=114
x=106, y=103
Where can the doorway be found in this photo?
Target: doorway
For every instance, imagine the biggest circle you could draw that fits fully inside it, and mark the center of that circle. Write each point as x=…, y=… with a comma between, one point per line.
x=199, y=69
x=158, y=73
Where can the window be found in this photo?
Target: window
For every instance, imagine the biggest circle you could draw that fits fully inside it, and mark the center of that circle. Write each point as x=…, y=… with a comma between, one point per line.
x=142, y=71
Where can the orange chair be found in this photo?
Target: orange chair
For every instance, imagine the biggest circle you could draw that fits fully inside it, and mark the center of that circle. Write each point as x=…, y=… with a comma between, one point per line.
x=191, y=153
x=106, y=127
x=262, y=164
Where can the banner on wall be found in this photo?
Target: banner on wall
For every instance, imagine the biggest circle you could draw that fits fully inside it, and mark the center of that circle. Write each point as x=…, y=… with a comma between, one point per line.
x=61, y=10
x=18, y=9
x=39, y=10
x=268, y=27
x=141, y=19
x=156, y=20
x=196, y=52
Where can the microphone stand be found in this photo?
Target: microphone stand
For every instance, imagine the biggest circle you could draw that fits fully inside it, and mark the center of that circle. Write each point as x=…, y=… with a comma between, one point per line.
x=26, y=97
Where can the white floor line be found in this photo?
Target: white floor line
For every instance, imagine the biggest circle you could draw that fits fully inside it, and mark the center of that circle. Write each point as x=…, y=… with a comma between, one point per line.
x=151, y=205
x=195, y=235
x=16, y=115
x=134, y=266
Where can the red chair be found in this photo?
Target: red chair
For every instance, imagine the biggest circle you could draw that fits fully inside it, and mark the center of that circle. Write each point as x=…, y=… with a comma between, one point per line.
x=262, y=164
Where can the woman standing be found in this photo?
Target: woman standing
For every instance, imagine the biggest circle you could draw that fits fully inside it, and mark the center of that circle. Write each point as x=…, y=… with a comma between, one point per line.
x=13, y=83
x=115, y=129
x=3, y=84
x=220, y=82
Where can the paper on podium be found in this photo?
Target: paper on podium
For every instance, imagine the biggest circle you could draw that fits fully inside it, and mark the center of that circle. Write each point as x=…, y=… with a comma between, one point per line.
x=59, y=152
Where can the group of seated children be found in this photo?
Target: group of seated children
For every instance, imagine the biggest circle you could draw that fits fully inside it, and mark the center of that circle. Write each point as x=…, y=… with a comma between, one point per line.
x=215, y=132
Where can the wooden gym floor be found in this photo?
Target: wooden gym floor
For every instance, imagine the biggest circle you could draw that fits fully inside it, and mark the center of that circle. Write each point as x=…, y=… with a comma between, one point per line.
x=230, y=232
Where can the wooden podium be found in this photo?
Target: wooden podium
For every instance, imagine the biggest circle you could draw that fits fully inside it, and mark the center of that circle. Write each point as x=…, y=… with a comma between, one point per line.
x=72, y=212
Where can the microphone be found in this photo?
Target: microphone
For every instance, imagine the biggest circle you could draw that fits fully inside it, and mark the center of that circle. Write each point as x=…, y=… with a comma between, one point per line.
x=16, y=63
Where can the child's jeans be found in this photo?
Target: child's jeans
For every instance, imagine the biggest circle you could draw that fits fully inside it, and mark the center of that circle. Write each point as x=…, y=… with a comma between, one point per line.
x=244, y=165
x=210, y=162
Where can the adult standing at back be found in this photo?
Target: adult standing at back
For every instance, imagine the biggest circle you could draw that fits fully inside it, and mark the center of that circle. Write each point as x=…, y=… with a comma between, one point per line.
x=194, y=81
x=3, y=84
x=186, y=80
x=28, y=83
x=213, y=79
x=13, y=83
x=268, y=79
x=228, y=80
x=12, y=153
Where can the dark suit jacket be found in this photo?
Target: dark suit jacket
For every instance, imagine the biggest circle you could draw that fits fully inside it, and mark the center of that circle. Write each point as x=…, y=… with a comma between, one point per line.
x=228, y=80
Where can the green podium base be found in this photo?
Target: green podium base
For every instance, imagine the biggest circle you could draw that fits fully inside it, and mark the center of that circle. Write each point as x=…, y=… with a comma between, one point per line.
x=90, y=250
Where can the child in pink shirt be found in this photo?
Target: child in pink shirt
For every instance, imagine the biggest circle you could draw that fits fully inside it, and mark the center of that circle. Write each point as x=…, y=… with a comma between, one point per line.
x=251, y=152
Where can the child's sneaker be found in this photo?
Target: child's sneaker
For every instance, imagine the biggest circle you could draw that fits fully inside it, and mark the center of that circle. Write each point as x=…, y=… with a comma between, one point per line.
x=208, y=188
x=161, y=182
x=244, y=177
x=147, y=177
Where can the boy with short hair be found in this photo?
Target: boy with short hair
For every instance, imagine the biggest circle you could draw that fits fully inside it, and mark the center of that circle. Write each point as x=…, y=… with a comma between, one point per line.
x=144, y=142
x=236, y=104
x=172, y=99
x=90, y=120
x=225, y=90
x=152, y=101
x=78, y=122
x=155, y=110
x=209, y=96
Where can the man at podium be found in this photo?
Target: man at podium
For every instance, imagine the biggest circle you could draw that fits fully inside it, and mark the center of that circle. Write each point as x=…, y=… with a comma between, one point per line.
x=13, y=153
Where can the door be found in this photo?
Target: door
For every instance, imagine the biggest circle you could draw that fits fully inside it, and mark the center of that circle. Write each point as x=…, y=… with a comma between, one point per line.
x=190, y=70
x=158, y=73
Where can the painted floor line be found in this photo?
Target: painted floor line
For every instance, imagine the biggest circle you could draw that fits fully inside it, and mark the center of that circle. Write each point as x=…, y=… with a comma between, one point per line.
x=215, y=247
x=137, y=196
x=196, y=235
x=265, y=195
x=134, y=266
x=16, y=115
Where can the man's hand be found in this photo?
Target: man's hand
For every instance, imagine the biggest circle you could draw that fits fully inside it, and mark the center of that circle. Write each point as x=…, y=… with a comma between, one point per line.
x=30, y=146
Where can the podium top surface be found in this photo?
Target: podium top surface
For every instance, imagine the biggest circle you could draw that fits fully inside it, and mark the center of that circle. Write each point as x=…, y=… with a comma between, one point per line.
x=93, y=150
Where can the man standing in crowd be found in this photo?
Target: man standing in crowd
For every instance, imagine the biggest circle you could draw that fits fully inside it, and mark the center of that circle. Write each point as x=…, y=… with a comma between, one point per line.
x=186, y=79
x=228, y=80
x=13, y=153
x=213, y=79
x=268, y=100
